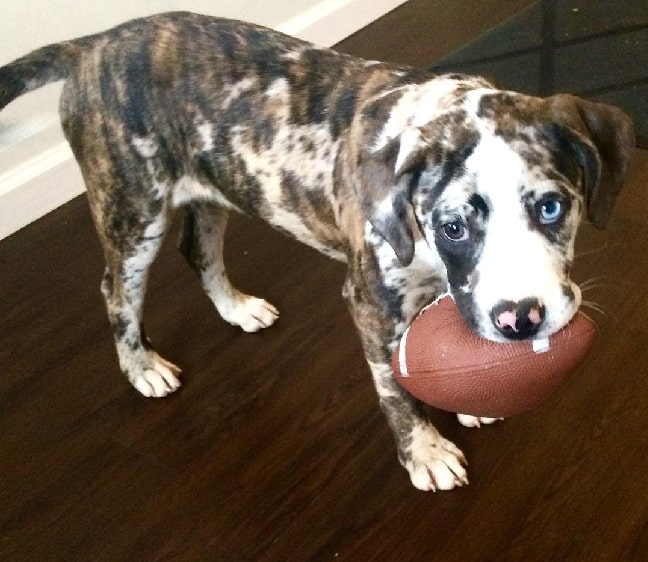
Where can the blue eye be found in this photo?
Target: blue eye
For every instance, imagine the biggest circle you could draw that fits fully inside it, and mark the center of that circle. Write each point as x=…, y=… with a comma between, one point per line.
x=550, y=211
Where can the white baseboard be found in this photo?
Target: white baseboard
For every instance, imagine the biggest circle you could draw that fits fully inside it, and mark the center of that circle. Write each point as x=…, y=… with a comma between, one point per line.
x=50, y=178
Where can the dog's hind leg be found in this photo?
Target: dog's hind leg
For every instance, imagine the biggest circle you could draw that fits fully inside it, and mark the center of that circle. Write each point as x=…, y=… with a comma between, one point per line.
x=201, y=243
x=123, y=287
x=129, y=209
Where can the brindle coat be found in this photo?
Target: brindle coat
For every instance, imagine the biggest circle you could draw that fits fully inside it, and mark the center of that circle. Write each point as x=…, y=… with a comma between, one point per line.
x=418, y=182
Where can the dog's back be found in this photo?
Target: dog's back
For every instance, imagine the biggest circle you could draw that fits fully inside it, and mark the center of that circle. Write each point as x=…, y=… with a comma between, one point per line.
x=221, y=103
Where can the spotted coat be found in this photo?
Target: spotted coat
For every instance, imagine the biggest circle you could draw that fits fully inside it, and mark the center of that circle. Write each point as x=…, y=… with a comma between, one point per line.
x=420, y=183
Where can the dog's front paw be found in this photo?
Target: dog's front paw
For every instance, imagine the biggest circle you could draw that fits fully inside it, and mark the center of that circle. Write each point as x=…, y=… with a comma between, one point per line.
x=158, y=378
x=474, y=421
x=250, y=313
x=433, y=462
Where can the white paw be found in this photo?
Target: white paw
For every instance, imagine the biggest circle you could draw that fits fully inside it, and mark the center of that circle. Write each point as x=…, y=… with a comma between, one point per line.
x=434, y=463
x=474, y=421
x=250, y=313
x=159, y=378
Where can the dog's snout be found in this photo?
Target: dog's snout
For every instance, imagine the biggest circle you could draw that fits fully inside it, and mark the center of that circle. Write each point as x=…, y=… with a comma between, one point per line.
x=518, y=320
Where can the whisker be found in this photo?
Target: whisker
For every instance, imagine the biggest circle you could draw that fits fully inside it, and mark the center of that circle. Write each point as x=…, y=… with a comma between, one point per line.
x=589, y=318
x=600, y=310
x=597, y=250
x=583, y=253
x=592, y=283
x=604, y=281
x=591, y=287
x=595, y=306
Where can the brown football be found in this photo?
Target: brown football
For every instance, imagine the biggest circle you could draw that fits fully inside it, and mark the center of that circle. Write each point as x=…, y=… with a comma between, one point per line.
x=443, y=363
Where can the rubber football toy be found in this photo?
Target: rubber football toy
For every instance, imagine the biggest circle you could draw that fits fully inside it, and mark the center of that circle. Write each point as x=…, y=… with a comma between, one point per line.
x=443, y=363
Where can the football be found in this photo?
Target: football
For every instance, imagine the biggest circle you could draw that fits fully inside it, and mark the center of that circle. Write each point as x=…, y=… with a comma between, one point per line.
x=443, y=363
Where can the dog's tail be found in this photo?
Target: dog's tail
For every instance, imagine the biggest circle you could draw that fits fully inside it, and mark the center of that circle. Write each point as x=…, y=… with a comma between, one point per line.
x=48, y=64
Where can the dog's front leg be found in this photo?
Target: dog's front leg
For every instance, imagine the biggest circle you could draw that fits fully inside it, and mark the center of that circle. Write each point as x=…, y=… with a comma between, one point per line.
x=433, y=462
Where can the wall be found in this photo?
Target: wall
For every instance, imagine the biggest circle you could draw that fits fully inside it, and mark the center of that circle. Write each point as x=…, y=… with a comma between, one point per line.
x=37, y=172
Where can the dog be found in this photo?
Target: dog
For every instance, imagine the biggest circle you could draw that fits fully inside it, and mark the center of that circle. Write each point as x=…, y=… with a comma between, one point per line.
x=420, y=183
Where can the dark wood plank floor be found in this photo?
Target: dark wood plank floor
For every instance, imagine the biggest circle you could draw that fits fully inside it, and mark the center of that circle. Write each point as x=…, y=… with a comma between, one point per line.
x=275, y=448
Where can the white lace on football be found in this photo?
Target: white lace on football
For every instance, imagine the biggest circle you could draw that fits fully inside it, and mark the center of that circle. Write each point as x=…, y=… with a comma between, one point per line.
x=402, y=361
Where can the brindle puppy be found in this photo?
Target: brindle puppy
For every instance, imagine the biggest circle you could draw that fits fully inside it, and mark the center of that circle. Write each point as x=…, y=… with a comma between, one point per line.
x=419, y=182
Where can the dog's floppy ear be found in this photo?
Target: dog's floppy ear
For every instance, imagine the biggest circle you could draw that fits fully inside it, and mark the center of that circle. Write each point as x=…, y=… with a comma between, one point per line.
x=383, y=187
x=604, y=148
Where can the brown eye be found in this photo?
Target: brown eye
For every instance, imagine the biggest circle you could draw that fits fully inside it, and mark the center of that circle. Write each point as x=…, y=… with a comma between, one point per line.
x=455, y=231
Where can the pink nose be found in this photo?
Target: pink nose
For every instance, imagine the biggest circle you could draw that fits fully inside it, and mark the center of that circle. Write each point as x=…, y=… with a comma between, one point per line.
x=518, y=320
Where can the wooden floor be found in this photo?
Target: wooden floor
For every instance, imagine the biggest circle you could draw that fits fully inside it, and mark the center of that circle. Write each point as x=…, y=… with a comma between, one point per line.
x=275, y=448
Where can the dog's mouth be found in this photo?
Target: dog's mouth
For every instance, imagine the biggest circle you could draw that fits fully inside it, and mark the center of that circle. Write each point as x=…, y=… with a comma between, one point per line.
x=530, y=318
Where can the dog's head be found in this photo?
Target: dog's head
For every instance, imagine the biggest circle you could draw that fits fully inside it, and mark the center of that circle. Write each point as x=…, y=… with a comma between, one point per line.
x=497, y=183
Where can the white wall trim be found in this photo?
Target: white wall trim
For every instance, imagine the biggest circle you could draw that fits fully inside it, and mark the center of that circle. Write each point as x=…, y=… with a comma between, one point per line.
x=51, y=178
x=331, y=21
x=25, y=172
x=37, y=187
